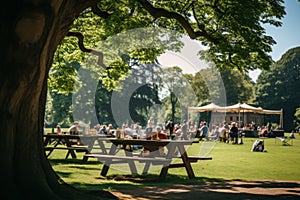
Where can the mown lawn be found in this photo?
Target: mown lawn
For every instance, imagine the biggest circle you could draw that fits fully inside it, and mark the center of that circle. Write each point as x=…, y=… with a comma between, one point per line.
x=230, y=162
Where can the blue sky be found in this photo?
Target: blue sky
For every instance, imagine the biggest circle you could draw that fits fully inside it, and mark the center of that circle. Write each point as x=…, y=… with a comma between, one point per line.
x=288, y=35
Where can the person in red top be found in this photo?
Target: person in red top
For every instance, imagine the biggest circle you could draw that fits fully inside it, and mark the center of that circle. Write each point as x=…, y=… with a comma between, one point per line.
x=160, y=135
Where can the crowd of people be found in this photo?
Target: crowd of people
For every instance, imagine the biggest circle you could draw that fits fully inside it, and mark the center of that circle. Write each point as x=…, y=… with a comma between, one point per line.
x=225, y=132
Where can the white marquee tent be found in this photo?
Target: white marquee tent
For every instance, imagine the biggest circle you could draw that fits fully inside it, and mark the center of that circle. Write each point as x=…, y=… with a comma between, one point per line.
x=238, y=108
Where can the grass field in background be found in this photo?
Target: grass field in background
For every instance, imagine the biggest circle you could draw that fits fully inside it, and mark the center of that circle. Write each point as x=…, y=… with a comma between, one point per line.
x=230, y=162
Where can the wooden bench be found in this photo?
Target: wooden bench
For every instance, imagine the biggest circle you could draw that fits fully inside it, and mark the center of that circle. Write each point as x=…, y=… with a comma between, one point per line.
x=195, y=158
x=121, y=159
x=192, y=159
x=70, y=150
x=77, y=148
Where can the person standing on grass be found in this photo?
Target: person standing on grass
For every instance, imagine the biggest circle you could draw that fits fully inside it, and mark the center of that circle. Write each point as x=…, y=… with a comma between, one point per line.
x=170, y=126
x=225, y=129
x=184, y=129
x=204, y=131
x=234, y=133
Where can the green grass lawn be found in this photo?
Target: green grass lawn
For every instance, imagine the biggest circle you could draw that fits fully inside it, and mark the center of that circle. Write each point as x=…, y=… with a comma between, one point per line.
x=230, y=162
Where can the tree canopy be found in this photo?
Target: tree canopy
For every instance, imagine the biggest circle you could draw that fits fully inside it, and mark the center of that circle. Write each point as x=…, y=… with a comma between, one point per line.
x=232, y=30
x=279, y=87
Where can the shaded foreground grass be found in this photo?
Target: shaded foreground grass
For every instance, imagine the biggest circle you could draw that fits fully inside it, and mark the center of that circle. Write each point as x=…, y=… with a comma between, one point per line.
x=230, y=163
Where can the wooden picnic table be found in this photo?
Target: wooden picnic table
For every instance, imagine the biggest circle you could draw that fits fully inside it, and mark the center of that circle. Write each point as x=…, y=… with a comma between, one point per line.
x=71, y=143
x=176, y=149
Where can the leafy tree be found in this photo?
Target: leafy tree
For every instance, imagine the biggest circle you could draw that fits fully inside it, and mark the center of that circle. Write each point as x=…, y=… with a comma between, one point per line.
x=297, y=119
x=279, y=87
x=32, y=30
x=230, y=86
x=103, y=105
x=62, y=109
x=144, y=78
x=200, y=87
x=238, y=85
x=177, y=92
x=172, y=80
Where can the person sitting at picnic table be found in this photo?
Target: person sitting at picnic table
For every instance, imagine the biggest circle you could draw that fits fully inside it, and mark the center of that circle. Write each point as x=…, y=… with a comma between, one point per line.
x=151, y=122
x=109, y=129
x=148, y=133
x=215, y=133
x=97, y=128
x=177, y=131
x=162, y=136
x=159, y=135
x=73, y=130
x=263, y=132
x=58, y=130
x=103, y=130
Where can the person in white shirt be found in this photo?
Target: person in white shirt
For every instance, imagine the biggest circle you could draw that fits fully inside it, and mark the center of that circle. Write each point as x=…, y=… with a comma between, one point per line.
x=74, y=128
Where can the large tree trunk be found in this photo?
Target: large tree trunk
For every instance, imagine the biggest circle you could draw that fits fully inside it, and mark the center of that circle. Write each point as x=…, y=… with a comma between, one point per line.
x=30, y=33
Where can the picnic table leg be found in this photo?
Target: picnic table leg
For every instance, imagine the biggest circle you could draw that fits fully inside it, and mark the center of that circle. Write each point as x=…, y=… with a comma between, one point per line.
x=48, y=141
x=164, y=170
x=130, y=162
x=146, y=168
x=70, y=151
x=186, y=161
x=91, y=143
x=102, y=146
x=107, y=163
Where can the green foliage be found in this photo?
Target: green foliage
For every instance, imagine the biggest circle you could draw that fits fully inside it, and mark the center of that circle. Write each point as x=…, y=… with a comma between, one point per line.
x=200, y=88
x=62, y=109
x=178, y=93
x=297, y=119
x=230, y=86
x=103, y=105
x=279, y=87
x=238, y=86
x=242, y=42
x=232, y=31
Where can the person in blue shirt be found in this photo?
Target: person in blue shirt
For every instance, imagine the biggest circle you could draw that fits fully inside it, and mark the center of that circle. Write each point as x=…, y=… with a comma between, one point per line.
x=204, y=131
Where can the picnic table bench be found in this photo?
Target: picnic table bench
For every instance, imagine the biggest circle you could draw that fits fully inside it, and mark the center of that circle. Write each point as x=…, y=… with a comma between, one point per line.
x=173, y=146
x=66, y=142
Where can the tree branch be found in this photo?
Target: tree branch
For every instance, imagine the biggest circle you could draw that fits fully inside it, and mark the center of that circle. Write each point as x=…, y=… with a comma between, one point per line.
x=81, y=46
x=96, y=10
x=160, y=12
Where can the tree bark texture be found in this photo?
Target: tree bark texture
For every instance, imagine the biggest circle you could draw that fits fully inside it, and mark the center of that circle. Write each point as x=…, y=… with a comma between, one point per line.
x=30, y=33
